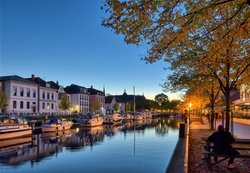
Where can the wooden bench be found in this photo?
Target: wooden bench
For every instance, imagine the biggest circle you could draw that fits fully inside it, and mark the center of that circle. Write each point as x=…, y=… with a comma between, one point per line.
x=209, y=153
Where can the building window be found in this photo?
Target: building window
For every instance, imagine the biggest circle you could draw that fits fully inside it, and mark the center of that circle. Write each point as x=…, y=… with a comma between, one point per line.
x=43, y=106
x=14, y=104
x=28, y=105
x=43, y=95
x=34, y=93
x=52, y=105
x=14, y=91
x=21, y=92
x=48, y=94
x=21, y=104
x=52, y=96
x=48, y=107
x=28, y=92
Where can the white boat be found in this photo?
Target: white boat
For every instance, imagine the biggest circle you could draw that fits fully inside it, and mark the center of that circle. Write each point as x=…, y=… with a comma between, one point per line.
x=138, y=117
x=128, y=117
x=92, y=120
x=56, y=124
x=11, y=127
x=146, y=114
x=111, y=117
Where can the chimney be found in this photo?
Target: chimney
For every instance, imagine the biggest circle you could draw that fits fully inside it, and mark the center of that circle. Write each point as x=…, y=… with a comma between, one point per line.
x=33, y=77
x=57, y=82
x=91, y=86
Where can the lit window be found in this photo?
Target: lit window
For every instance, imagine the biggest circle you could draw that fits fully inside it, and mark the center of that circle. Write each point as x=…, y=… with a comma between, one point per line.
x=48, y=107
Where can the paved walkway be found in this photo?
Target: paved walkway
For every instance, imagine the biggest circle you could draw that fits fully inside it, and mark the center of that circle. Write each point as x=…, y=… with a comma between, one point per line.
x=197, y=163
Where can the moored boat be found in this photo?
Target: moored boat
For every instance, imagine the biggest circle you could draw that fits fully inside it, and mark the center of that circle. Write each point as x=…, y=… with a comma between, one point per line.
x=111, y=117
x=54, y=124
x=128, y=117
x=11, y=127
x=92, y=120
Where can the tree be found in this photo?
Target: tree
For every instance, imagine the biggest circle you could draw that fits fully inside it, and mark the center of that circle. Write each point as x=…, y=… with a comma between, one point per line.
x=96, y=105
x=215, y=33
x=3, y=100
x=161, y=99
x=64, y=103
x=168, y=26
x=116, y=107
x=173, y=105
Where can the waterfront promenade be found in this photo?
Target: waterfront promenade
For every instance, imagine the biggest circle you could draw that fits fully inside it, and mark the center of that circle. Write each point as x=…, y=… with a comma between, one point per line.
x=197, y=163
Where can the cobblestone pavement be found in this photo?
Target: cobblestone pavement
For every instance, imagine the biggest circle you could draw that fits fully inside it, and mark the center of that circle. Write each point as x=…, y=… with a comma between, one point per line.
x=197, y=163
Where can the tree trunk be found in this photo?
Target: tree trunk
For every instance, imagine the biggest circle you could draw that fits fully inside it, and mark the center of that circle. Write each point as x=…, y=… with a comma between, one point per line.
x=227, y=97
x=212, y=116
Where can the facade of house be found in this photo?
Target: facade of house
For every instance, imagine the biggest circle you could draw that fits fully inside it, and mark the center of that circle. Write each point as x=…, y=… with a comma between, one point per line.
x=79, y=98
x=22, y=95
x=47, y=96
x=96, y=96
x=242, y=105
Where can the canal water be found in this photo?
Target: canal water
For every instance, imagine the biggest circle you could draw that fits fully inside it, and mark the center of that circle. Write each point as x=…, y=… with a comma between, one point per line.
x=144, y=147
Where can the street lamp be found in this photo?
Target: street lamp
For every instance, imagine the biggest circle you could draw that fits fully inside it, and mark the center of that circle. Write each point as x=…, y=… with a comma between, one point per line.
x=189, y=107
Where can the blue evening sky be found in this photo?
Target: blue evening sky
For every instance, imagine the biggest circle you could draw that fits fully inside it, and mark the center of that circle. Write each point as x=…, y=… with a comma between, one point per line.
x=63, y=40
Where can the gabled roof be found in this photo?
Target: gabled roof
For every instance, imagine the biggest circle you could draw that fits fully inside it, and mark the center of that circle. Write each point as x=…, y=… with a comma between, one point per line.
x=15, y=78
x=75, y=89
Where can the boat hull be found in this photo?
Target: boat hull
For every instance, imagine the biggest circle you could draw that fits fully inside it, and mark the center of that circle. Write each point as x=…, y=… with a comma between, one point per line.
x=14, y=133
x=55, y=128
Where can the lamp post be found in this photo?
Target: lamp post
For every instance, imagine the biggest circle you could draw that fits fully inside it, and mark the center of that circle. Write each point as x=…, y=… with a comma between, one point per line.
x=189, y=107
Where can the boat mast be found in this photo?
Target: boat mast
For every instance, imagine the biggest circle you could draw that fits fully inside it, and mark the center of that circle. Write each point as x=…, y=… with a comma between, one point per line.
x=134, y=99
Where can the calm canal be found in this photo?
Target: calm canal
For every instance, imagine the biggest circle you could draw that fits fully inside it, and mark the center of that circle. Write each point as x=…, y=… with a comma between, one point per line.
x=144, y=147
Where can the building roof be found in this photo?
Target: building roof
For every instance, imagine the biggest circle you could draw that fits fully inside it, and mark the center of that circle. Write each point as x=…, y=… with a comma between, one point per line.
x=108, y=99
x=15, y=78
x=75, y=89
x=93, y=91
x=43, y=83
x=125, y=98
x=53, y=85
x=38, y=81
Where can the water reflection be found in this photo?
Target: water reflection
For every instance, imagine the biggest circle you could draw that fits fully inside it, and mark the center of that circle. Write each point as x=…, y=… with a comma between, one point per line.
x=40, y=146
x=85, y=137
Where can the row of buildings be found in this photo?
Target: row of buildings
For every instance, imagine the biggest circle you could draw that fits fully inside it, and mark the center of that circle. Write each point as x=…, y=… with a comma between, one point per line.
x=36, y=96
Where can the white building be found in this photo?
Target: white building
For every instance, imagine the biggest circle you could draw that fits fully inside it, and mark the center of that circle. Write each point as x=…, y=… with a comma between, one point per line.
x=242, y=105
x=22, y=94
x=79, y=98
x=47, y=96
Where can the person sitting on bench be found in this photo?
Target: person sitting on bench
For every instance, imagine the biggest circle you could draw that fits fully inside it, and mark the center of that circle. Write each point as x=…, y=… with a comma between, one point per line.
x=222, y=144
